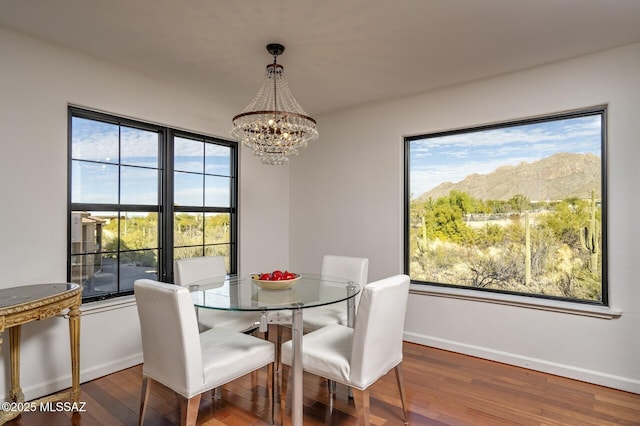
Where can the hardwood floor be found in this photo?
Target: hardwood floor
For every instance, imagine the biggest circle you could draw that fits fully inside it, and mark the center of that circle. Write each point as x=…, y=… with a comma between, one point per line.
x=442, y=388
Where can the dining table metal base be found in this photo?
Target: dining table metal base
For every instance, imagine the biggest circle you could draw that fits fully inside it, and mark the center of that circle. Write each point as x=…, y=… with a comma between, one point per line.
x=296, y=337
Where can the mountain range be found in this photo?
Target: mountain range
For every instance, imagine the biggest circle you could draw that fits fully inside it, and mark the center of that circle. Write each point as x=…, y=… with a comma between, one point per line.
x=557, y=177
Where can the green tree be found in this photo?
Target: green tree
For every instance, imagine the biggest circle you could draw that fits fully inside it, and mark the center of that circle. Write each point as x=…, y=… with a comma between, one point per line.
x=519, y=203
x=566, y=221
x=445, y=223
x=488, y=236
x=463, y=201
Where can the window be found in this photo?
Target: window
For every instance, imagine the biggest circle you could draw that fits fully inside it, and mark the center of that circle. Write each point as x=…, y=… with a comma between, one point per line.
x=516, y=208
x=141, y=196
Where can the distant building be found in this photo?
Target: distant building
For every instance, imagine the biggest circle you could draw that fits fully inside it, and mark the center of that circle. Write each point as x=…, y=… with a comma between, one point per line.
x=86, y=243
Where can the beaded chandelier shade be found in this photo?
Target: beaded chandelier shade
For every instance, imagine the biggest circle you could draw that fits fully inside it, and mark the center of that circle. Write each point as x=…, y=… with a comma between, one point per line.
x=274, y=125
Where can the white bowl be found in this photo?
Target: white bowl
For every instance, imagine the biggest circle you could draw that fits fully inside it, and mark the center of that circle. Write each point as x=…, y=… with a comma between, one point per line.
x=274, y=285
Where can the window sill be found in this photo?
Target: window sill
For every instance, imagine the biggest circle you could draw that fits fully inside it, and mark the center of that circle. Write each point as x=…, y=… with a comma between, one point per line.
x=100, y=306
x=586, y=310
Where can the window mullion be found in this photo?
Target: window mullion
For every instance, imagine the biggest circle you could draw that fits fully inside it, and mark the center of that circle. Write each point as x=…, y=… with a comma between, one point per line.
x=167, y=153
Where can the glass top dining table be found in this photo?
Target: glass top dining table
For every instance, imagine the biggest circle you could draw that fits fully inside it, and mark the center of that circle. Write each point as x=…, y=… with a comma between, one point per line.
x=243, y=293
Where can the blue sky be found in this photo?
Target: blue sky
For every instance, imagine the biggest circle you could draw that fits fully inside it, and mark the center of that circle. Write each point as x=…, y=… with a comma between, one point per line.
x=104, y=144
x=451, y=158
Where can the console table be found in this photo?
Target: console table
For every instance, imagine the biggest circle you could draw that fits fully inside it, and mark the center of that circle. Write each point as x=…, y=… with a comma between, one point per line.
x=20, y=305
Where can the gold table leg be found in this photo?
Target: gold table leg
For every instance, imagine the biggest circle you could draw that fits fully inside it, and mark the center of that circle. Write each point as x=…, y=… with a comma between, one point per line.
x=15, y=394
x=74, y=338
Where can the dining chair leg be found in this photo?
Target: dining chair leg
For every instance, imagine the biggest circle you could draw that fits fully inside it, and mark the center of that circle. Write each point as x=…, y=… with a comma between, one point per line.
x=283, y=390
x=361, y=400
x=144, y=396
x=400, y=380
x=216, y=393
x=277, y=343
x=272, y=375
x=278, y=347
x=331, y=388
x=189, y=410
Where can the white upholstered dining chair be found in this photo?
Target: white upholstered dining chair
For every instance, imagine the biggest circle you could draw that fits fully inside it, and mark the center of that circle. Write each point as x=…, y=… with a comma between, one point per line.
x=355, y=269
x=190, y=270
x=184, y=360
x=359, y=356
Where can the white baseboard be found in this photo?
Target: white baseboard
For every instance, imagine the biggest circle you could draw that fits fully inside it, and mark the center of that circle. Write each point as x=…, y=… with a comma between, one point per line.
x=64, y=382
x=590, y=376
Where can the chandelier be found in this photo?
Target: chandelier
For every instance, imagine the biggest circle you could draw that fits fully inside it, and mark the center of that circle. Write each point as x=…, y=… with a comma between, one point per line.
x=274, y=125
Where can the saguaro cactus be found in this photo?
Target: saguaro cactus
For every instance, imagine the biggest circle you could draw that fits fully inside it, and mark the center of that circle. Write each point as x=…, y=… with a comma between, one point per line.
x=527, y=249
x=590, y=236
x=422, y=240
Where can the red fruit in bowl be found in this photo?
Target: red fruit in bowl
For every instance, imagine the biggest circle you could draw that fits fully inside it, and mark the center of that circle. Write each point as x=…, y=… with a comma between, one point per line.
x=276, y=275
x=288, y=275
x=265, y=277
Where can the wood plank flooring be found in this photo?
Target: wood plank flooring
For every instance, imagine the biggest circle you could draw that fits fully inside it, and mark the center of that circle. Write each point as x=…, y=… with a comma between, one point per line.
x=442, y=388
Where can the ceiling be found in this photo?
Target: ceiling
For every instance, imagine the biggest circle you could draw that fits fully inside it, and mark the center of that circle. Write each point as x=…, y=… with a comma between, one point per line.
x=339, y=53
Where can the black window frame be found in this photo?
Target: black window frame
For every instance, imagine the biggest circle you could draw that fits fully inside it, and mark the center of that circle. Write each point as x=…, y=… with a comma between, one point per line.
x=602, y=110
x=165, y=208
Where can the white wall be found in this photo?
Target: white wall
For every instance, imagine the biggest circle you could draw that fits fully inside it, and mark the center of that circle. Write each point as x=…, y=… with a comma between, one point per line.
x=37, y=82
x=346, y=198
